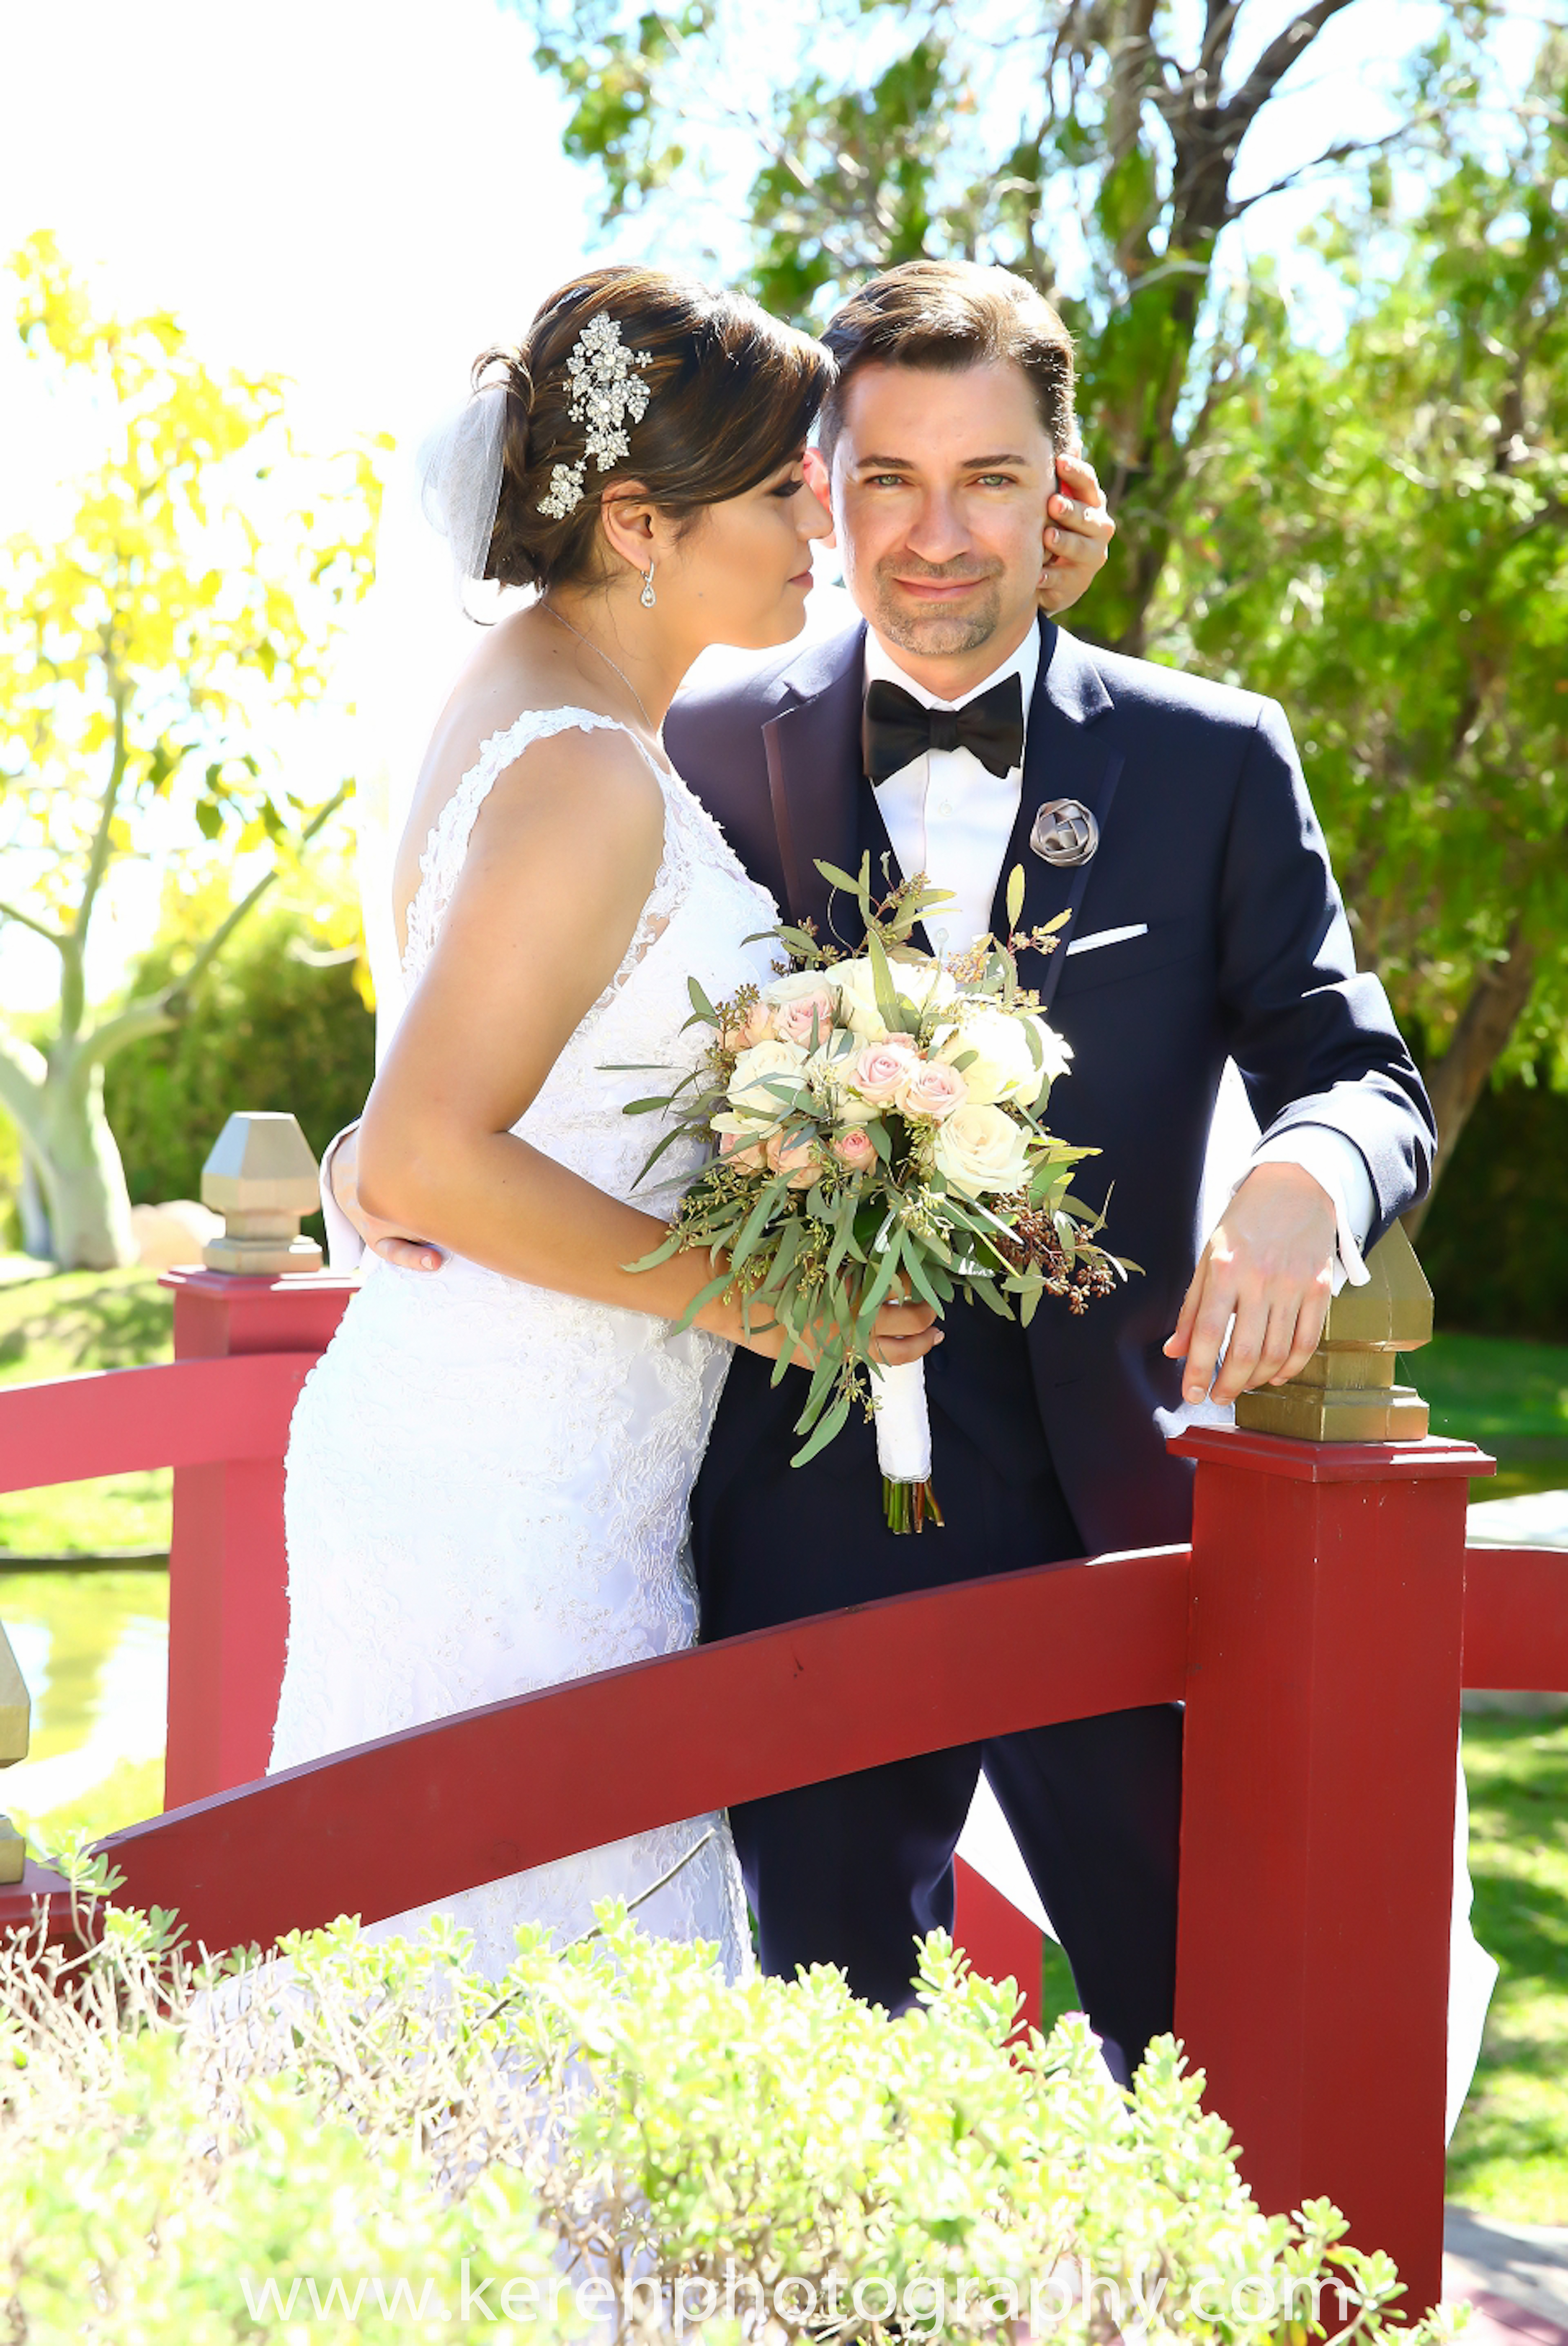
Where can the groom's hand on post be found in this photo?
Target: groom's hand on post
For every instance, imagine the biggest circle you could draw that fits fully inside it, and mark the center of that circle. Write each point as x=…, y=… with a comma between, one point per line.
x=1078, y=534
x=1270, y=1262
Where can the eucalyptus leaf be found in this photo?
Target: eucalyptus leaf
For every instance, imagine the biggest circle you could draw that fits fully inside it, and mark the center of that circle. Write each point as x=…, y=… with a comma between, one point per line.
x=831, y=1425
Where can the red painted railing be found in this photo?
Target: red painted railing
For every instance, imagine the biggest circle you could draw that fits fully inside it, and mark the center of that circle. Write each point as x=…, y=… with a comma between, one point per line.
x=1318, y=1629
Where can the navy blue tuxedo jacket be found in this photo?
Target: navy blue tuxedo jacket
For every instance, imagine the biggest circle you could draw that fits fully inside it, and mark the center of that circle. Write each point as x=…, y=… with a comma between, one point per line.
x=1208, y=837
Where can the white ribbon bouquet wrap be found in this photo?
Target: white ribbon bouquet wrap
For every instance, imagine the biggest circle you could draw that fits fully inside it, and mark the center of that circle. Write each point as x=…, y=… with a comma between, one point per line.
x=876, y=1129
x=903, y=1435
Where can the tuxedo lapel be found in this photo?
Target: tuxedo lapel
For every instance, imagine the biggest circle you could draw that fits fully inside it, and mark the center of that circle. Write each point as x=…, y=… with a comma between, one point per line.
x=816, y=785
x=813, y=752
x=1065, y=756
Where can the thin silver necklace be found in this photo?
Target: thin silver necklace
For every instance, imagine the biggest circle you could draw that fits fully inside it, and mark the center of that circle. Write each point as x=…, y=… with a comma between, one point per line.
x=592, y=647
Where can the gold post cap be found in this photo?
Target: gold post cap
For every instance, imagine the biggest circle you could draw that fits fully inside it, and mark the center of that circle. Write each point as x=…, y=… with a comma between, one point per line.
x=1346, y=1392
x=1392, y=1312
x=16, y=1707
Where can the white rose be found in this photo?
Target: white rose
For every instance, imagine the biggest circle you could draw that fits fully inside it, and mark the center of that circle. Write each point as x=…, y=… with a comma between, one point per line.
x=763, y=1064
x=923, y=983
x=919, y=982
x=796, y=985
x=855, y=983
x=981, y=1151
x=1002, y=1065
x=1055, y=1051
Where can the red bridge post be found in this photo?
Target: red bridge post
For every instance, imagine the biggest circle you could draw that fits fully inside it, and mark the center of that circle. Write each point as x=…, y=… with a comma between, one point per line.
x=999, y=1942
x=228, y=1585
x=1324, y=1667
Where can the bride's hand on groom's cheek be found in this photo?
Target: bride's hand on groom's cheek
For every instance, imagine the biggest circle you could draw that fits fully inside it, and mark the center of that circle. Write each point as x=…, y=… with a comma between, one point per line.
x=1078, y=534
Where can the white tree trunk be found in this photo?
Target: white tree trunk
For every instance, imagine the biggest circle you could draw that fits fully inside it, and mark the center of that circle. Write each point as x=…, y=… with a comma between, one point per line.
x=38, y=1240
x=79, y=1168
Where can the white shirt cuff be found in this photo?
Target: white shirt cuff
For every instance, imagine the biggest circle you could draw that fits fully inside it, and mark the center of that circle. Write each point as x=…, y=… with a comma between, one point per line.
x=345, y=1247
x=1338, y=1166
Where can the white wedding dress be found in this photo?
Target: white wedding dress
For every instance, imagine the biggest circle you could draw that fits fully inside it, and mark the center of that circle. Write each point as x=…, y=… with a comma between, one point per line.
x=487, y=1482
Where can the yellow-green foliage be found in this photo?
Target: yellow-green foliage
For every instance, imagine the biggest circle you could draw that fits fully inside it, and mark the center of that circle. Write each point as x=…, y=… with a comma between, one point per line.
x=152, y=651
x=614, y=2115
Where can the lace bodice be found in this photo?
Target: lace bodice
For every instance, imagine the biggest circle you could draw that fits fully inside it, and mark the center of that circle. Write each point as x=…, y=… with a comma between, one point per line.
x=688, y=928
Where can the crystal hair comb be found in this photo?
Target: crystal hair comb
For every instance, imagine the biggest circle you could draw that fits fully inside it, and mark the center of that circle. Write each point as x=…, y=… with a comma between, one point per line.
x=604, y=393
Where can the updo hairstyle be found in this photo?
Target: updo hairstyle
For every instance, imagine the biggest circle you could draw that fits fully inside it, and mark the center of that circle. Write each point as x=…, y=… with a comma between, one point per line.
x=732, y=396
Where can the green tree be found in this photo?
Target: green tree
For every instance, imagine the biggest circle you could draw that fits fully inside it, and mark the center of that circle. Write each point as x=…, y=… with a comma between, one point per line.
x=282, y=1021
x=1379, y=537
x=1375, y=532
x=195, y=591
x=1091, y=145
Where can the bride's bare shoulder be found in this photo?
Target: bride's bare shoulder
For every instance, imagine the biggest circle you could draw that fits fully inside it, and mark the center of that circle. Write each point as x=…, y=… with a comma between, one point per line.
x=515, y=672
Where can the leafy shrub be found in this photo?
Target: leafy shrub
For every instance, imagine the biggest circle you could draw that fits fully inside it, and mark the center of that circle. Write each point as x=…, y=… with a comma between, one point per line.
x=1495, y=1244
x=611, y=2139
x=277, y=1023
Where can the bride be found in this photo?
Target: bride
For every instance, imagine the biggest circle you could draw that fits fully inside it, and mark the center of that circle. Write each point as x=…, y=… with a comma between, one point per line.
x=488, y=1473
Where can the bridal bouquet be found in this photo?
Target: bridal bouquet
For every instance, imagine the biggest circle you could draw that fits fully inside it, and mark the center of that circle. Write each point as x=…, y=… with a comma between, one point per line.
x=876, y=1133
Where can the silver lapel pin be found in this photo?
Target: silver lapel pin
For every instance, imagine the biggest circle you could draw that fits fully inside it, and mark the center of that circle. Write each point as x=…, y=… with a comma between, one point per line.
x=1064, y=833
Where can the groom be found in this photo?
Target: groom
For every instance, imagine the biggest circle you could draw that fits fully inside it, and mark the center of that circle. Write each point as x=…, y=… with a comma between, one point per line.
x=954, y=732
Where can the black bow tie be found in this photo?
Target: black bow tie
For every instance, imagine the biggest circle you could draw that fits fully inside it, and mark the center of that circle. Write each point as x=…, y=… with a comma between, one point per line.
x=898, y=728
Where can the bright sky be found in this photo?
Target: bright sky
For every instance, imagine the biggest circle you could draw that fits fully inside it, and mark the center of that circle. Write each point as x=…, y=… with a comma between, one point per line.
x=366, y=195
x=362, y=197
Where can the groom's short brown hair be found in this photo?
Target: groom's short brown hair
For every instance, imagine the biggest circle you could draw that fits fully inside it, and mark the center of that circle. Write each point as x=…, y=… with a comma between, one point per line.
x=947, y=315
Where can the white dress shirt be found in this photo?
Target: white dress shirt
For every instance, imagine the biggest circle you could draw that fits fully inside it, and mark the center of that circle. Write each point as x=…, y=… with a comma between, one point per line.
x=949, y=816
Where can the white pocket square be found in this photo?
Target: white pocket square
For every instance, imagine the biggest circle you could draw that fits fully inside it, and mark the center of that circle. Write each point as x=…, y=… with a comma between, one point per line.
x=1108, y=937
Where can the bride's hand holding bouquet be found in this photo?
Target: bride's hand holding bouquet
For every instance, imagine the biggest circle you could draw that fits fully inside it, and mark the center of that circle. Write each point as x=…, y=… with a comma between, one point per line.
x=876, y=1127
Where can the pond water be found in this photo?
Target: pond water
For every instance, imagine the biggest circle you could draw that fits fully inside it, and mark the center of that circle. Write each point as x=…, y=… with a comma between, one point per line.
x=93, y=1648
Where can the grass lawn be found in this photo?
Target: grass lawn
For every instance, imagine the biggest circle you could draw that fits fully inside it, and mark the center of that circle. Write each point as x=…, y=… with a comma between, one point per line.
x=63, y=1326
x=1509, y=2157
x=1510, y=1398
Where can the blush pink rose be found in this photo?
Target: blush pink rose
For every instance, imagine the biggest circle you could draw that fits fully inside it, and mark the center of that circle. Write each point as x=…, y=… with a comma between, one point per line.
x=794, y=1020
x=853, y=1149
x=932, y=1092
x=750, y=1154
x=881, y=1067
x=796, y=1156
x=757, y=1026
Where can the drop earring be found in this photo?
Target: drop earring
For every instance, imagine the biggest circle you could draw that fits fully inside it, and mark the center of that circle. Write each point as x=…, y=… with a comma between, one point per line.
x=647, y=598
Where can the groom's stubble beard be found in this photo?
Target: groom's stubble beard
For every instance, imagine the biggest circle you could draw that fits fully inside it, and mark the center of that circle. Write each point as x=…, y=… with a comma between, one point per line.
x=935, y=633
